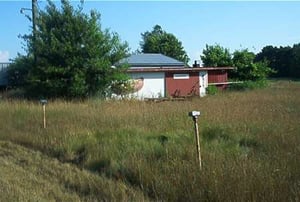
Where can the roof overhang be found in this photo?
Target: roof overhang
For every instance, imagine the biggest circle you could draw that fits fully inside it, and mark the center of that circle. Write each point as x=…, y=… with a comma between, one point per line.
x=186, y=69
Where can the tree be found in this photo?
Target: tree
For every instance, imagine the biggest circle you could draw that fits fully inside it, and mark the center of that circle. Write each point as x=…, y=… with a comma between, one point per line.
x=279, y=59
x=18, y=70
x=295, y=61
x=285, y=60
x=216, y=56
x=247, y=69
x=159, y=41
x=73, y=54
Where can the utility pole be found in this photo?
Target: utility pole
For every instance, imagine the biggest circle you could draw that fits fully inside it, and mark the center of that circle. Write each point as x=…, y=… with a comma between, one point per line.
x=33, y=17
x=34, y=14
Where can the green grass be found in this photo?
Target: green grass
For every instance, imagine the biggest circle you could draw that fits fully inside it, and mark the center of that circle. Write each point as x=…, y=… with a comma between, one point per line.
x=249, y=143
x=28, y=175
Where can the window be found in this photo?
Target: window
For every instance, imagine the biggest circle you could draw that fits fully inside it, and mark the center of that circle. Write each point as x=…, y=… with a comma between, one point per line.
x=181, y=76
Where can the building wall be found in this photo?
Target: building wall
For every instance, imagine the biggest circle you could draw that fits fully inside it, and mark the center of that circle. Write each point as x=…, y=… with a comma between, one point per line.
x=182, y=84
x=177, y=83
x=217, y=76
x=153, y=84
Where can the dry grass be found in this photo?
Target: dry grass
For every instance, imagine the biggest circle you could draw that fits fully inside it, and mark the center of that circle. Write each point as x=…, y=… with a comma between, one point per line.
x=250, y=143
x=31, y=176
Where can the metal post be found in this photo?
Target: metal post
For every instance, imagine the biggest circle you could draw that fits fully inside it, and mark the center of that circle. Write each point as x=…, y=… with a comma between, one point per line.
x=195, y=115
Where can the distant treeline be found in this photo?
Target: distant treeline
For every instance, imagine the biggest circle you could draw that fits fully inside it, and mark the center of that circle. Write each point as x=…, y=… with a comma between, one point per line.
x=285, y=60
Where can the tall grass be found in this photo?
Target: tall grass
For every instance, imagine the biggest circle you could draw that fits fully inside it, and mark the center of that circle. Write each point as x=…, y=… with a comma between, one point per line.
x=249, y=140
x=28, y=175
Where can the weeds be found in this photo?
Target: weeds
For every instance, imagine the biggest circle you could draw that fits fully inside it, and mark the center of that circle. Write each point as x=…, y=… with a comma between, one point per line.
x=249, y=141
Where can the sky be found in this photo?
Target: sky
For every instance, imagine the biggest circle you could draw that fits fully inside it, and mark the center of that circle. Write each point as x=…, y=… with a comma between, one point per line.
x=234, y=25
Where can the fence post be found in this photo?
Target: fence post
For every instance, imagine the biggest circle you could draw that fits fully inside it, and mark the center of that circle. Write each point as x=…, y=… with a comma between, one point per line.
x=44, y=102
x=195, y=115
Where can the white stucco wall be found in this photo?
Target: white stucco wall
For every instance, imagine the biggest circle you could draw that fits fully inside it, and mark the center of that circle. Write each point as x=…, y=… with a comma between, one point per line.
x=154, y=84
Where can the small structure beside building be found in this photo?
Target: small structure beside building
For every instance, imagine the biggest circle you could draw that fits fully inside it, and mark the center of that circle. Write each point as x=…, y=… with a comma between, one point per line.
x=3, y=75
x=157, y=76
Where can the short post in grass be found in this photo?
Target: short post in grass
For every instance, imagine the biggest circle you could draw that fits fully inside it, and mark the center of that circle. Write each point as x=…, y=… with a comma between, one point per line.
x=44, y=102
x=195, y=115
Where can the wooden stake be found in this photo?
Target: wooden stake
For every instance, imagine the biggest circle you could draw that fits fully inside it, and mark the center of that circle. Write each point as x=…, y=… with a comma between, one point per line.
x=44, y=102
x=44, y=109
x=195, y=118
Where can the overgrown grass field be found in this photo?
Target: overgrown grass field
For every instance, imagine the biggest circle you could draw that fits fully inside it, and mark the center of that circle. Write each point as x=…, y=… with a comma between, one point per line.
x=140, y=151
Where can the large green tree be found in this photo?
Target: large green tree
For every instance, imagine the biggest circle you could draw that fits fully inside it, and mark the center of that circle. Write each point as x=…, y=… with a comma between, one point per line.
x=73, y=54
x=159, y=41
x=295, y=61
x=285, y=60
x=216, y=56
x=247, y=68
x=279, y=58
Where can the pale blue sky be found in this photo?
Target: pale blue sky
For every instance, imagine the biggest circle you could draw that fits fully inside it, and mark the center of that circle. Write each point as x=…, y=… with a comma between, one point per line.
x=234, y=25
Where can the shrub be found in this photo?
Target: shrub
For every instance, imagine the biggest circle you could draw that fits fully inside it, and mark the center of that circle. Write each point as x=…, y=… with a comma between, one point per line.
x=249, y=85
x=212, y=90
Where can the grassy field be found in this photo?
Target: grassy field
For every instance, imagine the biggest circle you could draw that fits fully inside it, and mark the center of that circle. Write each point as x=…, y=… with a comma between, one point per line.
x=140, y=151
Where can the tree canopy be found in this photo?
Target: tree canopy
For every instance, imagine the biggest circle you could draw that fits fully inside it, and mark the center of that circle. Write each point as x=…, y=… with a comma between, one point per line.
x=159, y=41
x=285, y=60
x=247, y=68
x=73, y=54
x=243, y=60
x=216, y=56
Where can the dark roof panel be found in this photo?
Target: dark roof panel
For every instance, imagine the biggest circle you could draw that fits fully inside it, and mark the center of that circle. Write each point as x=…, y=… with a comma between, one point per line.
x=151, y=60
x=3, y=74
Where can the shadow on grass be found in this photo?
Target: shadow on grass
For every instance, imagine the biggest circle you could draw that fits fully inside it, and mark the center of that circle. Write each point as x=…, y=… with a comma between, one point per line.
x=223, y=136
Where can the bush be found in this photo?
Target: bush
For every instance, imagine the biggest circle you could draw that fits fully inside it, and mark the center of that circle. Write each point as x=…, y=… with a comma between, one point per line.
x=212, y=90
x=248, y=85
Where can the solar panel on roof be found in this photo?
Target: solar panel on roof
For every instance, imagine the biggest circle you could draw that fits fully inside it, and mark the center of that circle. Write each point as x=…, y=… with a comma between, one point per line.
x=151, y=60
